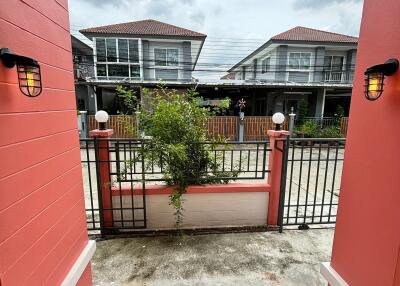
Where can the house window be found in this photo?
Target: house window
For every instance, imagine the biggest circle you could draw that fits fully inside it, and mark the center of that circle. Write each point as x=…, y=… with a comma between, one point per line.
x=122, y=50
x=300, y=61
x=135, y=71
x=117, y=57
x=111, y=50
x=101, y=70
x=333, y=68
x=266, y=65
x=118, y=70
x=166, y=57
x=333, y=63
x=101, y=50
x=134, y=51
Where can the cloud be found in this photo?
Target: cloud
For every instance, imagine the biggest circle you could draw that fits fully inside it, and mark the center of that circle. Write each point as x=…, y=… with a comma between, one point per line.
x=187, y=13
x=102, y=3
x=317, y=4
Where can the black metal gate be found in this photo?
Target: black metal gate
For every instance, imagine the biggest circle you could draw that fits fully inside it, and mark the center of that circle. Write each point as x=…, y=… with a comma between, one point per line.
x=114, y=185
x=310, y=183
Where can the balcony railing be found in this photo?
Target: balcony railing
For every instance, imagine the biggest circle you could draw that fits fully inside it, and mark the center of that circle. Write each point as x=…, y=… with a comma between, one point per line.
x=339, y=76
x=83, y=71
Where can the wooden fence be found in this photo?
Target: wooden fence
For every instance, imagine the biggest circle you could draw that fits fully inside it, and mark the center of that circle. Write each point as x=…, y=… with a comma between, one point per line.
x=224, y=126
x=343, y=126
x=255, y=127
x=124, y=126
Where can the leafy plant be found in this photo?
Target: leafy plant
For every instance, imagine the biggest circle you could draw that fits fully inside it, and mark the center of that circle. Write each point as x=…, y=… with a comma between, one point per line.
x=308, y=129
x=128, y=104
x=176, y=124
x=330, y=132
x=129, y=99
x=339, y=114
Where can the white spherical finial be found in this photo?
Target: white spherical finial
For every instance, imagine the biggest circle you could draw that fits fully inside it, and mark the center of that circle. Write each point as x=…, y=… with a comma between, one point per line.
x=278, y=118
x=101, y=116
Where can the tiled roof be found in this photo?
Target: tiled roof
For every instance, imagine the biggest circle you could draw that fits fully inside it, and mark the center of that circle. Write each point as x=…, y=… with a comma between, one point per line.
x=144, y=28
x=313, y=35
x=230, y=75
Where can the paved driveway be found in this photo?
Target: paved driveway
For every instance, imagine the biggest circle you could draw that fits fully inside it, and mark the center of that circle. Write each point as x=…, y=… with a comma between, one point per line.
x=263, y=258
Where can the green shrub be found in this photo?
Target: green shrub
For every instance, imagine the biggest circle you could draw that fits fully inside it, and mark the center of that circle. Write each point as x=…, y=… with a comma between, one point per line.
x=330, y=132
x=308, y=129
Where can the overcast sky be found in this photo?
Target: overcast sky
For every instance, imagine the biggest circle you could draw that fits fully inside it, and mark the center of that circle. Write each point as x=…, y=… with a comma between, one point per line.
x=234, y=27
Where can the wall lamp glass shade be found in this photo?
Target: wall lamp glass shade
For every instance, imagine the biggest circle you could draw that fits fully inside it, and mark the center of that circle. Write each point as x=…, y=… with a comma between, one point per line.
x=375, y=77
x=28, y=70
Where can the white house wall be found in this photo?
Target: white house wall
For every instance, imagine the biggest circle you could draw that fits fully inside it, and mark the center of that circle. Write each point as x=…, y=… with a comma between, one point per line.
x=268, y=76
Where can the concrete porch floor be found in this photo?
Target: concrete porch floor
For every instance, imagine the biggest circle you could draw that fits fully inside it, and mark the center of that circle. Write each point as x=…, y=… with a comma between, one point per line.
x=263, y=258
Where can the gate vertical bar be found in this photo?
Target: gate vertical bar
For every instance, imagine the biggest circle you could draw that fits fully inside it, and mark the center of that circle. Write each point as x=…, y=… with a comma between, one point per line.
x=144, y=186
x=285, y=151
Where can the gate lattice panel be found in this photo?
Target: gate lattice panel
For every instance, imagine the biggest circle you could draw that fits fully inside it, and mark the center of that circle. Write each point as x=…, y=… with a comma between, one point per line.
x=310, y=185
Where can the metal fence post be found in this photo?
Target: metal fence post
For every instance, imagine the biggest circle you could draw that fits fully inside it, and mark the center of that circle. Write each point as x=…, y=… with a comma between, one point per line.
x=241, y=126
x=291, y=122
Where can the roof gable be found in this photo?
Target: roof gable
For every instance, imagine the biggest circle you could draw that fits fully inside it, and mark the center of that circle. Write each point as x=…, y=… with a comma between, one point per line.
x=313, y=35
x=144, y=28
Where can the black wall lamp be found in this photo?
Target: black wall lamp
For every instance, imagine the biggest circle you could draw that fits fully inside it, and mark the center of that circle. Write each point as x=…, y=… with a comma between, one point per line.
x=28, y=69
x=375, y=77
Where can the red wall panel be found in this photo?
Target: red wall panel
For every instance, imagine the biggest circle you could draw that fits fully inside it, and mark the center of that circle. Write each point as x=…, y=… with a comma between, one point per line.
x=86, y=278
x=17, y=183
x=42, y=218
x=38, y=125
x=367, y=236
x=49, y=100
x=17, y=244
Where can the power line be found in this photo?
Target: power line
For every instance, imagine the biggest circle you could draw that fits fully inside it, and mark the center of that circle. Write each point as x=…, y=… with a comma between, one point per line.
x=127, y=60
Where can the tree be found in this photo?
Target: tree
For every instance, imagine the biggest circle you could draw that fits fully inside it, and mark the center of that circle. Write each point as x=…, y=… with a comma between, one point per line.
x=302, y=112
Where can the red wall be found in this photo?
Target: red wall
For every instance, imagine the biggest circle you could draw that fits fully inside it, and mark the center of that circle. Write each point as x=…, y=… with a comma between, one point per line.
x=367, y=236
x=42, y=219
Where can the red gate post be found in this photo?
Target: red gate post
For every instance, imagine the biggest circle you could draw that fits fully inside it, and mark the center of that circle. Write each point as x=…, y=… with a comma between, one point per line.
x=103, y=173
x=274, y=177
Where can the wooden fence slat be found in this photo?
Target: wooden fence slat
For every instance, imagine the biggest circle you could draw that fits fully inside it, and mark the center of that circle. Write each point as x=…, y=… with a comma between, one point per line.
x=344, y=122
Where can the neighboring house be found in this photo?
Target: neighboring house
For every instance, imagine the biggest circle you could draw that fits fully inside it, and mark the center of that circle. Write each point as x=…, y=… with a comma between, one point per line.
x=140, y=54
x=304, y=63
x=83, y=69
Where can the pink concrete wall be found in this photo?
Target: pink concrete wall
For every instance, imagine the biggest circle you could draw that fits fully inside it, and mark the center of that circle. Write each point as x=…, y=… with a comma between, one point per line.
x=42, y=219
x=367, y=237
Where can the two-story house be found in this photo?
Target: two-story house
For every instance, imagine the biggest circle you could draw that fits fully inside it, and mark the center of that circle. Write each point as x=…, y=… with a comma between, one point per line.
x=301, y=63
x=82, y=57
x=140, y=54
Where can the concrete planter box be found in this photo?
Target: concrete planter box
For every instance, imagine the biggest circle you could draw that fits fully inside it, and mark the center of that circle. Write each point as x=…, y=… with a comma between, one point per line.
x=232, y=205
